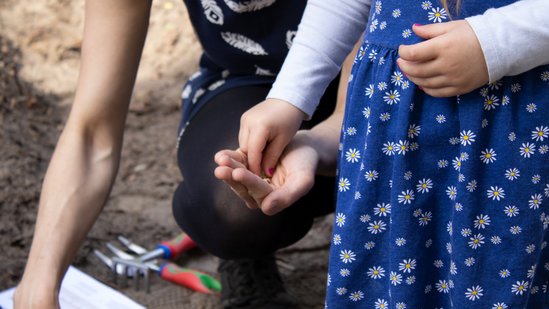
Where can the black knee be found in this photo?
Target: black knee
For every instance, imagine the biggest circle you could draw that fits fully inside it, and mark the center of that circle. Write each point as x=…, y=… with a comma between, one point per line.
x=226, y=228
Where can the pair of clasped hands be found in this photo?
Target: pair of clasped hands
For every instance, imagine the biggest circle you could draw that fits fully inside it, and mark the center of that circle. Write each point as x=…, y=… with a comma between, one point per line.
x=274, y=166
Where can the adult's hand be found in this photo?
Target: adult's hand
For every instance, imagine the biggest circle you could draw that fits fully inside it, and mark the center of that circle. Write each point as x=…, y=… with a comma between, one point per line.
x=293, y=177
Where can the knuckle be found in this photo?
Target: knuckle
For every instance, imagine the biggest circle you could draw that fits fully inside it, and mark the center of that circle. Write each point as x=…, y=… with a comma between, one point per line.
x=244, y=117
x=445, y=45
x=430, y=92
x=428, y=83
x=453, y=91
x=414, y=71
x=413, y=53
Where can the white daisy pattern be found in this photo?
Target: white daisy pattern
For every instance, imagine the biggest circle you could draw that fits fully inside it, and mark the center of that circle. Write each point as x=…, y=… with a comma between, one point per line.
x=437, y=15
x=495, y=193
x=406, y=197
x=352, y=155
x=392, y=97
x=347, y=256
x=474, y=293
x=376, y=272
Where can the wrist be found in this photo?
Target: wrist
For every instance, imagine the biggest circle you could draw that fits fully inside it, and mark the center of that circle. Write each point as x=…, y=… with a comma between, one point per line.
x=43, y=271
x=325, y=154
x=298, y=111
x=37, y=291
x=48, y=281
x=295, y=112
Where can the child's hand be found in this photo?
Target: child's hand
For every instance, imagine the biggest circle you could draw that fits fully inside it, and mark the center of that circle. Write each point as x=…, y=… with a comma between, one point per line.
x=292, y=179
x=265, y=130
x=450, y=62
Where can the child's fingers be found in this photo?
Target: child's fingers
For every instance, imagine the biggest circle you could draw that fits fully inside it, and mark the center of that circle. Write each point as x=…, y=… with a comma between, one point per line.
x=443, y=92
x=243, y=138
x=435, y=82
x=256, y=144
x=419, y=69
x=293, y=189
x=419, y=52
x=431, y=31
x=272, y=153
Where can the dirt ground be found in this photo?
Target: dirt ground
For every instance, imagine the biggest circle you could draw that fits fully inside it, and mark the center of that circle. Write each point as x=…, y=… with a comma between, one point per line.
x=39, y=58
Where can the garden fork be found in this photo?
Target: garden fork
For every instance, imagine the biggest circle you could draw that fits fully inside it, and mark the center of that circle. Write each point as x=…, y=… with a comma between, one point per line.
x=126, y=264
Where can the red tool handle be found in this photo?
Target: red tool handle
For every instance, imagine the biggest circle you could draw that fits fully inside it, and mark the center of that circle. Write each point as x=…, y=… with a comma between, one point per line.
x=189, y=278
x=173, y=248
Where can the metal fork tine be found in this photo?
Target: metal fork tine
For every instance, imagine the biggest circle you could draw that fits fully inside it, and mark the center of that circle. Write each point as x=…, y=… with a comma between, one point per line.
x=137, y=249
x=114, y=274
x=136, y=280
x=108, y=261
x=147, y=281
x=125, y=276
x=119, y=252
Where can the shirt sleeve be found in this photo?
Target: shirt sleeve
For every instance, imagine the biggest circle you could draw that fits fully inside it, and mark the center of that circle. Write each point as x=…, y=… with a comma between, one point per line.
x=327, y=33
x=513, y=38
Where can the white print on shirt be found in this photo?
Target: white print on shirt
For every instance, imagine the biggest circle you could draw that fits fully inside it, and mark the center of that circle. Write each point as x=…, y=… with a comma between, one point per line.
x=216, y=85
x=263, y=72
x=290, y=35
x=195, y=75
x=198, y=94
x=248, y=6
x=186, y=92
x=241, y=42
x=212, y=11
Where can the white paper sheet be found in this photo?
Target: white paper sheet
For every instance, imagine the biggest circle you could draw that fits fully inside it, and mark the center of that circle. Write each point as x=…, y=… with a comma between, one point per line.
x=80, y=291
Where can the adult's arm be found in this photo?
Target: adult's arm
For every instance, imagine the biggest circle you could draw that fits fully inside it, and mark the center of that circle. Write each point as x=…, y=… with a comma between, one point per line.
x=513, y=38
x=326, y=35
x=85, y=162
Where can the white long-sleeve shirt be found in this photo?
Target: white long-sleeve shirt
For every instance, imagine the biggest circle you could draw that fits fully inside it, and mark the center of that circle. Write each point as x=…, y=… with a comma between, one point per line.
x=513, y=38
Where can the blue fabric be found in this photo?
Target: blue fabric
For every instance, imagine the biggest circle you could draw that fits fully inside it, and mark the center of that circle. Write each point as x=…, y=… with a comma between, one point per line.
x=245, y=43
x=442, y=202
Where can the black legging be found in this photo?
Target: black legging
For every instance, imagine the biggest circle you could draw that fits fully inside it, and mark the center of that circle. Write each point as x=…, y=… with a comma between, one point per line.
x=206, y=208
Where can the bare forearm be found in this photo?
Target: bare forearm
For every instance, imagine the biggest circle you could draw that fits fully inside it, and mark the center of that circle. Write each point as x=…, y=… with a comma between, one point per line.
x=75, y=188
x=85, y=162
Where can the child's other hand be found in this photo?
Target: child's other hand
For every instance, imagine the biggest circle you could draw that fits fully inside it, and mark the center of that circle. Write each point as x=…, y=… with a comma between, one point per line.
x=265, y=130
x=450, y=62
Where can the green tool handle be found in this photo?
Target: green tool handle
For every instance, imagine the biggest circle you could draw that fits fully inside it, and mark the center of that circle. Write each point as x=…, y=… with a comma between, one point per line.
x=189, y=278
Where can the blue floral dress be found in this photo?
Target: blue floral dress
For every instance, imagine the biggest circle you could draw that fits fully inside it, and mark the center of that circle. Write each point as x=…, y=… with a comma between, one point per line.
x=442, y=202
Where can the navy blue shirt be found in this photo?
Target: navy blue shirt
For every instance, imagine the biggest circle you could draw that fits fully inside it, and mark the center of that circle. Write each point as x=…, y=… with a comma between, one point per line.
x=244, y=42
x=246, y=36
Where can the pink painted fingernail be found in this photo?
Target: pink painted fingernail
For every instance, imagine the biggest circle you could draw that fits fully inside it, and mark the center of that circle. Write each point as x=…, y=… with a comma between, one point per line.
x=271, y=171
x=418, y=25
x=420, y=88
